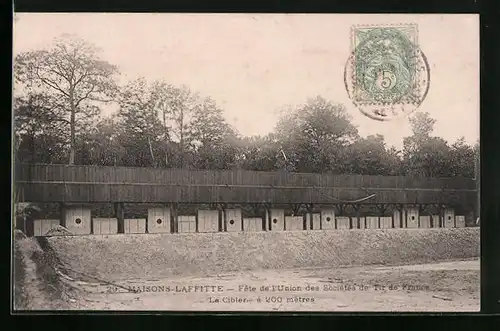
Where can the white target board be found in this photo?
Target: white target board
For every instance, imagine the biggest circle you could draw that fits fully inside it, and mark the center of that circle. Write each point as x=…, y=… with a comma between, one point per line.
x=277, y=219
x=159, y=220
x=449, y=218
x=233, y=220
x=328, y=219
x=78, y=220
x=412, y=218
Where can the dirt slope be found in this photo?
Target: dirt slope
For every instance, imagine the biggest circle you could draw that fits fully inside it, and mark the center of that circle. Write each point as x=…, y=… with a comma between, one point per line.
x=119, y=257
x=36, y=284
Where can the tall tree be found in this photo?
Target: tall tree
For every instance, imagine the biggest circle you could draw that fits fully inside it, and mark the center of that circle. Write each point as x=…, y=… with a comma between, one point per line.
x=208, y=125
x=422, y=124
x=211, y=138
x=38, y=135
x=425, y=155
x=102, y=145
x=463, y=159
x=314, y=135
x=177, y=105
x=72, y=72
x=260, y=154
x=140, y=125
x=370, y=156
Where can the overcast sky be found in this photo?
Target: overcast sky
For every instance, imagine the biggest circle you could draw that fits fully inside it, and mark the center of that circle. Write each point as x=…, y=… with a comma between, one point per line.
x=253, y=64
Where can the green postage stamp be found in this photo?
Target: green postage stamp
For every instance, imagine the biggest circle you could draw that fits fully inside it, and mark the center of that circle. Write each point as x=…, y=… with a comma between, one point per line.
x=387, y=75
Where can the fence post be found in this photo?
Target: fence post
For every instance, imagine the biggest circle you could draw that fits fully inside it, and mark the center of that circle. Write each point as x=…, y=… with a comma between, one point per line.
x=174, y=224
x=120, y=216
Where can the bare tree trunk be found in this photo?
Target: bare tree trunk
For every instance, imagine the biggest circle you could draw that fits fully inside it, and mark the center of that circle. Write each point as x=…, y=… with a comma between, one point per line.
x=165, y=142
x=181, y=138
x=72, y=133
x=151, y=151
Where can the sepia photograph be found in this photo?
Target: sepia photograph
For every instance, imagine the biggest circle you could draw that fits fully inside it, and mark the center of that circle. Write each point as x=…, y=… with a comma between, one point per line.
x=245, y=162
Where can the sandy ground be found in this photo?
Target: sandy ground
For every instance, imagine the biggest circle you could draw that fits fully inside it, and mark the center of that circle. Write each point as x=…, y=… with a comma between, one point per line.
x=446, y=286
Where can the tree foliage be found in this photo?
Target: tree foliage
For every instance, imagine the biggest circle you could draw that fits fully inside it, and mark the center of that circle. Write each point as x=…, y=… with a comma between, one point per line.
x=61, y=91
x=74, y=77
x=313, y=135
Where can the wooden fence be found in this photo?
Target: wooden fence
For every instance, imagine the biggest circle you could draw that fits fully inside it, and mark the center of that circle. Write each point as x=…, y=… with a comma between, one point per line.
x=64, y=183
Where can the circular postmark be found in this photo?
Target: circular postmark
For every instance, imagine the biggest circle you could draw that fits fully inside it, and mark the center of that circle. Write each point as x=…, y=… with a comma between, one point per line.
x=386, y=75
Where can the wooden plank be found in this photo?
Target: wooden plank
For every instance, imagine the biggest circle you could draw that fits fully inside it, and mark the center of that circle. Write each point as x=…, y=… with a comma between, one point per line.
x=135, y=225
x=397, y=218
x=208, y=221
x=313, y=221
x=316, y=218
x=42, y=226
x=294, y=223
x=187, y=223
x=105, y=225
x=343, y=222
x=385, y=222
x=460, y=221
x=425, y=222
x=37, y=227
x=362, y=222
x=372, y=222
x=120, y=216
x=252, y=224
x=436, y=221
x=96, y=226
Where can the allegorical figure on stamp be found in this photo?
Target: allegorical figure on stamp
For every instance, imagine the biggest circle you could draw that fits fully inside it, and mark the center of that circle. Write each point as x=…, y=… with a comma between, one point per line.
x=387, y=74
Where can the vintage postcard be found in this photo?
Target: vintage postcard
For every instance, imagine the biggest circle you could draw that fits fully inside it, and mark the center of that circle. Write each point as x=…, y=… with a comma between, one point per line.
x=246, y=162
